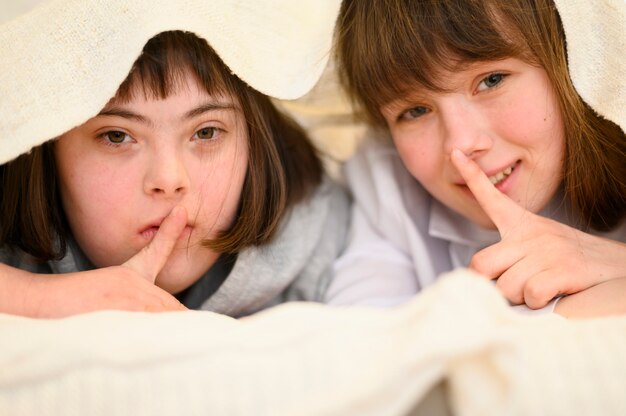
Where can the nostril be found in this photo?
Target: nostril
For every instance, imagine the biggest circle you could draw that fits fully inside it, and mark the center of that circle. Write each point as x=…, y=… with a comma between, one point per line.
x=179, y=190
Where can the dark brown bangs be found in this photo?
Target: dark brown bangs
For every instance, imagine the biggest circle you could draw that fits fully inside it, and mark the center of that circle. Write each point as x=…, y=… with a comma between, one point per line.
x=165, y=62
x=392, y=46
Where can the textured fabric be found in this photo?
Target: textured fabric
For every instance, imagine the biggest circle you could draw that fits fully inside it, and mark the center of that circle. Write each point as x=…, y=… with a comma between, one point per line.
x=73, y=261
x=62, y=61
x=596, y=41
x=194, y=296
x=294, y=266
x=304, y=359
x=308, y=359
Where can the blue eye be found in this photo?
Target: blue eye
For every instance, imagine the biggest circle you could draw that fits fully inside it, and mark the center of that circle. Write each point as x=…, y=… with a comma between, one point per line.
x=414, y=113
x=207, y=133
x=491, y=81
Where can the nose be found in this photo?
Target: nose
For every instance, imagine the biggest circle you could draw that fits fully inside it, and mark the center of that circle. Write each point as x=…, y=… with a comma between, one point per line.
x=166, y=175
x=465, y=127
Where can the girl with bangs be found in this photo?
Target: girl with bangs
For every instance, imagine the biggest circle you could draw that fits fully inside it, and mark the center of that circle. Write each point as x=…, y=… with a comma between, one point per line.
x=189, y=189
x=483, y=155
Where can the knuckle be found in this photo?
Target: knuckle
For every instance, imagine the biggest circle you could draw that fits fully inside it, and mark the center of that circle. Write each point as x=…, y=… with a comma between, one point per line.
x=510, y=290
x=479, y=263
x=536, y=294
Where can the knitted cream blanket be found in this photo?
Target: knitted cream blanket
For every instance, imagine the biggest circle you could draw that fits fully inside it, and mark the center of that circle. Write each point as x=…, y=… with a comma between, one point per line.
x=62, y=61
x=596, y=48
x=309, y=359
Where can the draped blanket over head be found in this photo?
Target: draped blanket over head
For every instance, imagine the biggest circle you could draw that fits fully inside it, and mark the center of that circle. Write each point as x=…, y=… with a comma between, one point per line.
x=62, y=62
x=596, y=40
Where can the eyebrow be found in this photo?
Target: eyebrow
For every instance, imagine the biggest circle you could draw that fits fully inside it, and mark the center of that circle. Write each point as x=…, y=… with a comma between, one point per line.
x=201, y=109
x=194, y=112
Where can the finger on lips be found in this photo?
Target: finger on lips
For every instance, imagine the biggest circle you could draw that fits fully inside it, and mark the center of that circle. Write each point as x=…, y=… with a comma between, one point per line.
x=152, y=258
x=502, y=210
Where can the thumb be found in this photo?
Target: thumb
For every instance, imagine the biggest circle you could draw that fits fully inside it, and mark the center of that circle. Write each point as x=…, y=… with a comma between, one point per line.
x=151, y=259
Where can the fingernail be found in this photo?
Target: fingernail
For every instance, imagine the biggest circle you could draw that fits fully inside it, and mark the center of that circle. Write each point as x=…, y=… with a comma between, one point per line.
x=458, y=155
x=177, y=211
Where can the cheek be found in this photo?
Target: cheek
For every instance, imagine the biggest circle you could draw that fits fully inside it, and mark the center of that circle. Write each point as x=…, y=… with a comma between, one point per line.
x=90, y=190
x=544, y=138
x=95, y=209
x=220, y=188
x=89, y=182
x=536, y=115
x=422, y=160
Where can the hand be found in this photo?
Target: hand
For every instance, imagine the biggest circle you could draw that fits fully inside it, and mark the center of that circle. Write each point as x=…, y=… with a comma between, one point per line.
x=127, y=287
x=604, y=299
x=537, y=258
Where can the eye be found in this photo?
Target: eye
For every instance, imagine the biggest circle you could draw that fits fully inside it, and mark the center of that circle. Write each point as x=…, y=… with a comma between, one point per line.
x=207, y=133
x=414, y=113
x=116, y=137
x=491, y=81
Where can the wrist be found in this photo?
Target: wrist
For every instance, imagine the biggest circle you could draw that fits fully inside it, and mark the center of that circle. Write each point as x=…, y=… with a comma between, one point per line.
x=19, y=291
x=604, y=299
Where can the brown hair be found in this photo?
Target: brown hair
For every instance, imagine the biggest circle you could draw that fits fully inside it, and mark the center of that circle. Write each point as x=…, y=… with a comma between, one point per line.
x=283, y=166
x=386, y=46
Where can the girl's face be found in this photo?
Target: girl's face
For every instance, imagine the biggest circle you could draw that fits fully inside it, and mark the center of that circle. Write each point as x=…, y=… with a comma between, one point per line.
x=123, y=171
x=502, y=114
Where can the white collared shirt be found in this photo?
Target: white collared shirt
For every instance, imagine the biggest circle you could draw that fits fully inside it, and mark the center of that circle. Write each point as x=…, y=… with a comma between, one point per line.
x=401, y=238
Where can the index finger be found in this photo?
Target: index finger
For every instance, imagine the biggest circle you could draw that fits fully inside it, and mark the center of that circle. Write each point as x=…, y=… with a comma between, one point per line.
x=151, y=259
x=501, y=209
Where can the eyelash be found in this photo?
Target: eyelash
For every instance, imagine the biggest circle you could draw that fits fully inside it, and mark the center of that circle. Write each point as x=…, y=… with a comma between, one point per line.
x=405, y=116
x=105, y=137
x=501, y=76
x=216, y=131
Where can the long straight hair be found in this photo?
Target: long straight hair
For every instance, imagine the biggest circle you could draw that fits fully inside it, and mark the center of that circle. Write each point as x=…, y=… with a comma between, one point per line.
x=385, y=47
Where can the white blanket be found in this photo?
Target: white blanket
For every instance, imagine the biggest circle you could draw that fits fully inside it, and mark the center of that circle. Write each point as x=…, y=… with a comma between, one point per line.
x=307, y=359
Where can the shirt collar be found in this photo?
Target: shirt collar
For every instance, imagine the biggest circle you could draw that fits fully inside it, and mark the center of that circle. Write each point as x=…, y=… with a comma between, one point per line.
x=451, y=226
x=448, y=225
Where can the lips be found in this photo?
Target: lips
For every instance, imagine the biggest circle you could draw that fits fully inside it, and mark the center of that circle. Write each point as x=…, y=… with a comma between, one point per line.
x=495, y=176
x=149, y=231
x=501, y=175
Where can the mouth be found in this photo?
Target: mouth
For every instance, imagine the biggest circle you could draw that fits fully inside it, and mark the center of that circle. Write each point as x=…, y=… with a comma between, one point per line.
x=149, y=232
x=499, y=177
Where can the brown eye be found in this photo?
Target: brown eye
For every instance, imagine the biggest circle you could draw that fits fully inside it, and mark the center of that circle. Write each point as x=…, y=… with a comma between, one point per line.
x=207, y=133
x=115, y=136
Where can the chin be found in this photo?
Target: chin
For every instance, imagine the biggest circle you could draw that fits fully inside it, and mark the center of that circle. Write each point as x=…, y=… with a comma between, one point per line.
x=171, y=284
x=178, y=276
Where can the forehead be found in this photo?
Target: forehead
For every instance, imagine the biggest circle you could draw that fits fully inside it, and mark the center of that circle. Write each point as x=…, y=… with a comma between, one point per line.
x=142, y=86
x=452, y=76
x=424, y=41
x=186, y=103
